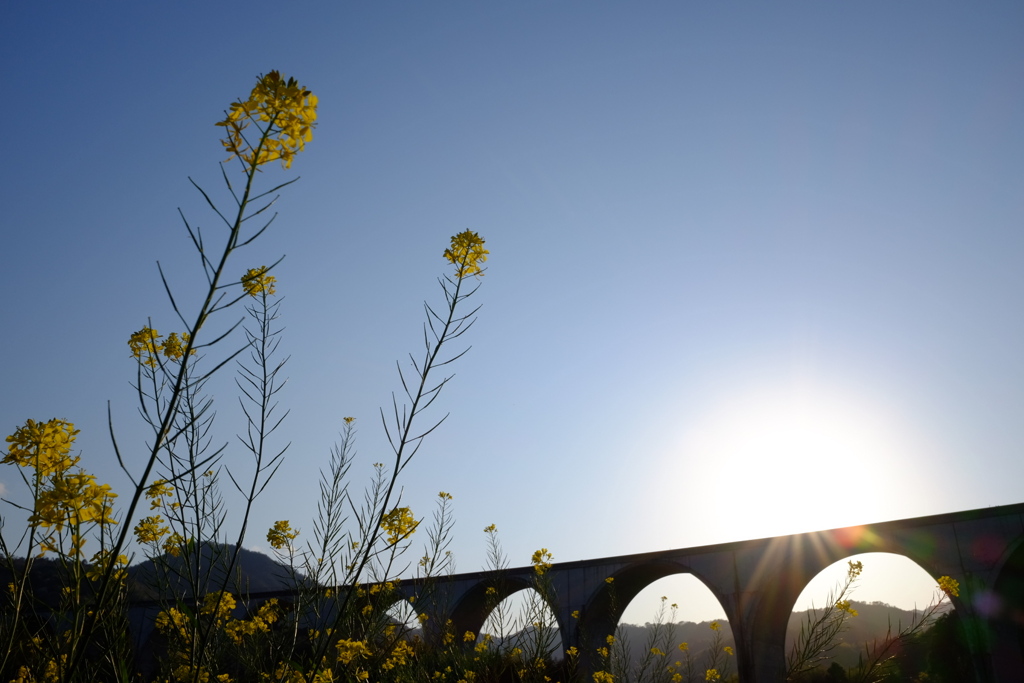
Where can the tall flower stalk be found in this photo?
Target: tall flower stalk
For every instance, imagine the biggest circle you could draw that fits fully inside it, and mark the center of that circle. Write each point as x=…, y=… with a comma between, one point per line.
x=273, y=124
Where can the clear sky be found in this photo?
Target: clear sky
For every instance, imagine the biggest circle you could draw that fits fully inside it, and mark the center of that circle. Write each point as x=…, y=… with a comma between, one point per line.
x=755, y=268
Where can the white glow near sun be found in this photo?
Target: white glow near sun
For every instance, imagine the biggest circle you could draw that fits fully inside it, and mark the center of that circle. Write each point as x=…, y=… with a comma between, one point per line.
x=775, y=463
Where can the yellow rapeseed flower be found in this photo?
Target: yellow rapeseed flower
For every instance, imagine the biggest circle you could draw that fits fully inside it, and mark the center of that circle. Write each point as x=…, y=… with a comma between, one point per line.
x=398, y=524
x=73, y=499
x=150, y=529
x=350, y=650
x=145, y=345
x=45, y=446
x=285, y=114
x=156, y=492
x=466, y=253
x=844, y=605
x=173, y=544
x=949, y=586
x=174, y=346
x=219, y=605
x=171, y=621
x=101, y=560
x=712, y=675
x=256, y=281
x=541, y=561
x=281, y=535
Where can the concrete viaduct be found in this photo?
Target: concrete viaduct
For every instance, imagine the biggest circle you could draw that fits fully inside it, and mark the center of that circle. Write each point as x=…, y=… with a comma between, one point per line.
x=757, y=583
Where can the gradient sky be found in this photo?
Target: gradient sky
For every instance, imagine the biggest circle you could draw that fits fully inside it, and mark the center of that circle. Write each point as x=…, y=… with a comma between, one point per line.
x=755, y=269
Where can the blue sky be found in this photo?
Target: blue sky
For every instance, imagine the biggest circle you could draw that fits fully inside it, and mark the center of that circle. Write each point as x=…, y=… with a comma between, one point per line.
x=755, y=269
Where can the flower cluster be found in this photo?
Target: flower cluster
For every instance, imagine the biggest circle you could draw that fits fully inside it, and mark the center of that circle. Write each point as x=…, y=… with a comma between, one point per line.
x=268, y=613
x=349, y=650
x=65, y=496
x=541, y=561
x=46, y=446
x=398, y=524
x=217, y=611
x=949, y=586
x=101, y=562
x=256, y=281
x=151, y=529
x=844, y=606
x=281, y=535
x=73, y=498
x=466, y=254
x=156, y=493
x=174, y=544
x=284, y=113
x=147, y=345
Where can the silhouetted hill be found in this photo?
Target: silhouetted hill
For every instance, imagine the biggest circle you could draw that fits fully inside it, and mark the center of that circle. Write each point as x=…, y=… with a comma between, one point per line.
x=148, y=580
x=872, y=623
x=45, y=578
x=253, y=573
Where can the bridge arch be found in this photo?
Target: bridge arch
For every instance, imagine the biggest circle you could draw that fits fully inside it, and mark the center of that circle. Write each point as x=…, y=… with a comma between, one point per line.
x=525, y=620
x=400, y=609
x=474, y=606
x=603, y=608
x=918, y=591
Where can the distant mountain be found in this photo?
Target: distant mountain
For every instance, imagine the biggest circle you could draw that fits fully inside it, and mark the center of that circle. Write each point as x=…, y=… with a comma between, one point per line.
x=45, y=581
x=253, y=572
x=148, y=580
x=873, y=622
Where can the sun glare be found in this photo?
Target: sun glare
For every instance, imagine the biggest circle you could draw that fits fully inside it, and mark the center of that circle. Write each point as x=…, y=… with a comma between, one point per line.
x=788, y=462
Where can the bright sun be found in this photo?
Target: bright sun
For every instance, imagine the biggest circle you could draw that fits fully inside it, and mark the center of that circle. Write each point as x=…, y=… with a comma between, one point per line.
x=799, y=460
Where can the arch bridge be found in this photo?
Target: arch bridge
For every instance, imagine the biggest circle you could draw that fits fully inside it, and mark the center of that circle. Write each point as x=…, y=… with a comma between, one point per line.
x=758, y=581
